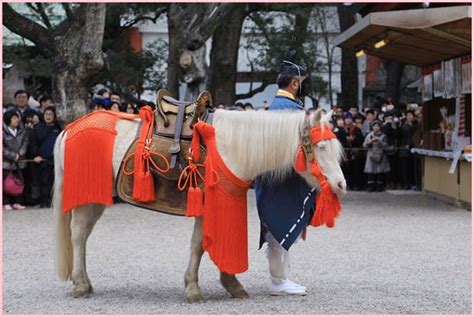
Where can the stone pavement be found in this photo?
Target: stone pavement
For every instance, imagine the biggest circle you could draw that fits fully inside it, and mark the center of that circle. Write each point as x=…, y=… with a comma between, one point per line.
x=390, y=253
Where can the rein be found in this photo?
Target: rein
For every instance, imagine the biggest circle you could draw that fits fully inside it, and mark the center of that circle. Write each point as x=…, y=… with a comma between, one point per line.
x=328, y=205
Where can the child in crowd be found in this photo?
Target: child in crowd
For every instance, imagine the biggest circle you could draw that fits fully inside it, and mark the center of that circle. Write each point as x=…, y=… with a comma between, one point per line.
x=376, y=164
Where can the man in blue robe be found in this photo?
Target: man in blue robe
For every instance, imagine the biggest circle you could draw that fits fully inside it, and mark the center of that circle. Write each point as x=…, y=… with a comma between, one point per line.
x=285, y=208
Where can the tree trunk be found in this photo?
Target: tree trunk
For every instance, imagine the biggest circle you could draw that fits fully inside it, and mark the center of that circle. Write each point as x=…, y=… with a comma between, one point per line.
x=224, y=58
x=78, y=56
x=349, y=72
x=195, y=74
x=302, y=17
x=173, y=54
x=189, y=27
x=394, y=75
x=70, y=95
x=331, y=101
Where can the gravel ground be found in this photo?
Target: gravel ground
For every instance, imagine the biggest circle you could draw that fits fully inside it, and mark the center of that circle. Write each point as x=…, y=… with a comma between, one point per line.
x=390, y=253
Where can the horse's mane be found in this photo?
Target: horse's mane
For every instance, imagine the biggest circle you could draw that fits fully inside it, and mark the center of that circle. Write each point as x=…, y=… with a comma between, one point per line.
x=256, y=142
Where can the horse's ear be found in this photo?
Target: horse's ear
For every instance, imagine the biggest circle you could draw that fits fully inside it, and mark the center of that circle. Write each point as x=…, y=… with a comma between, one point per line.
x=327, y=117
x=315, y=119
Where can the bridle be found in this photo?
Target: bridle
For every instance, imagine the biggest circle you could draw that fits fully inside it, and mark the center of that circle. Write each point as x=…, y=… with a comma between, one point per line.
x=327, y=202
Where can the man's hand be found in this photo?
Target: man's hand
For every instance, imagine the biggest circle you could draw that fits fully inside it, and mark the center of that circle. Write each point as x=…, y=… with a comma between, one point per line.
x=38, y=159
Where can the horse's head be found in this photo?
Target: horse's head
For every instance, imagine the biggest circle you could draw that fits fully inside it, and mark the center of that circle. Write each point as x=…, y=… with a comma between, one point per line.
x=328, y=153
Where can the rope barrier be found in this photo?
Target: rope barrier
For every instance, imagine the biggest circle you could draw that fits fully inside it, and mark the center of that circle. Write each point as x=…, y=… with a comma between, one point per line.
x=386, y=148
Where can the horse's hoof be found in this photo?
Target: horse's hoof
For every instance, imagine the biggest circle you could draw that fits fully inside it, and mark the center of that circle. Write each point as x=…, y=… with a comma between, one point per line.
x=194, y=298
x=82, y=290
x=240, y=294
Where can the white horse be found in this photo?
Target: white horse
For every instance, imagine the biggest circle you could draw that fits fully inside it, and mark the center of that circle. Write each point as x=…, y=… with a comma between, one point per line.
x=250, y=143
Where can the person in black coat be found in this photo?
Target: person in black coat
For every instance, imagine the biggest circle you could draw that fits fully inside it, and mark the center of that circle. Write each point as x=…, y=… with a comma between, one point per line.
x=32, y=179
x=406, y=143
x=391, y=129
x=342, y=134
x=355, y=140
x=46, y=134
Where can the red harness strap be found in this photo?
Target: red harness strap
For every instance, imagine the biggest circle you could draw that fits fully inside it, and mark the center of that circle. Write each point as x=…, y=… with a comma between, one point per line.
x=224, y=208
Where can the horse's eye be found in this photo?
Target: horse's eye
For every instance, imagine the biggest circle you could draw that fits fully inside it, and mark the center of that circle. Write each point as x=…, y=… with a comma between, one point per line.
x=321, y=146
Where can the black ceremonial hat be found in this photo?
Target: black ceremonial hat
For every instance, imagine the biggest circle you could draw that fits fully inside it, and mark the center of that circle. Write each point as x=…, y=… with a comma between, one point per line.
x=288, y=67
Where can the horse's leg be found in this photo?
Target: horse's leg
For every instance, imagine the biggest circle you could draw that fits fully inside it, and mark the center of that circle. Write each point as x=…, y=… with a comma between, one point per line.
x=233, y=286
x=83, y=221
x=192, y=291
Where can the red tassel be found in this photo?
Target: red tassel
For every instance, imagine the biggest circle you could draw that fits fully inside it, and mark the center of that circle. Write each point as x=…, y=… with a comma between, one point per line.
x=194, y=203
x=327, y=207
x=143, y=187
x=300, y=163
x=148, y=189
x=199, y=196
x=191, y=203
x=138, y=180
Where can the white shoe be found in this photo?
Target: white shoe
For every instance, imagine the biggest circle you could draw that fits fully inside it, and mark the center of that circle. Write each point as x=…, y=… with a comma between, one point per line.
x=18, y=206
x=287, y=288
x=296, y=285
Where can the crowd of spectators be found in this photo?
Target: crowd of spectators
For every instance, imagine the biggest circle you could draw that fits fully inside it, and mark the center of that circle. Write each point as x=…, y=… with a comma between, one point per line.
x=30, y=129
x=29, y=134
x=377, y=143
x=377, y=146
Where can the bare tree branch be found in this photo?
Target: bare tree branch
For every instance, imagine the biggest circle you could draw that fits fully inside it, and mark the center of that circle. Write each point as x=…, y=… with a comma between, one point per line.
x=145, y=18
x=39, y=9
x=268, y=79
x=32, y=7
x=215, y=14
x=28, y=29
x=44, y=16
x=76, y=19
x=277, y=7
x=67, y=9
x=197, y=22
x=251, y=70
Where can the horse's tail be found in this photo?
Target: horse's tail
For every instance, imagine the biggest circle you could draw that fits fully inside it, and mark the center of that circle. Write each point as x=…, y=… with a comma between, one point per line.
x=64, y=259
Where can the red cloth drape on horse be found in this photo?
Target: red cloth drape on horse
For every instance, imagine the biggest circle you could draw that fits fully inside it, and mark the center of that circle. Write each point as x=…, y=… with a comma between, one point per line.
x=88, y=170
x=224, y=208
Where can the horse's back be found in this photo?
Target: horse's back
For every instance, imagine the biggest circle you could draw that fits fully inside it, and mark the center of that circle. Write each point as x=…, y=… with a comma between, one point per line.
x=126, y=133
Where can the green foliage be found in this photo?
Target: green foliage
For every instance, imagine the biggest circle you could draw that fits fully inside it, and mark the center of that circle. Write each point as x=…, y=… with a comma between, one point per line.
x=30, y=65
x=155, y=56
x=27, y=61
x=126, y=71
x=273, y=33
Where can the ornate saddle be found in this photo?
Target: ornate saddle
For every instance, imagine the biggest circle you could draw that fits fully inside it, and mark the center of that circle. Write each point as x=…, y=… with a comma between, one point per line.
x=171, y=140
